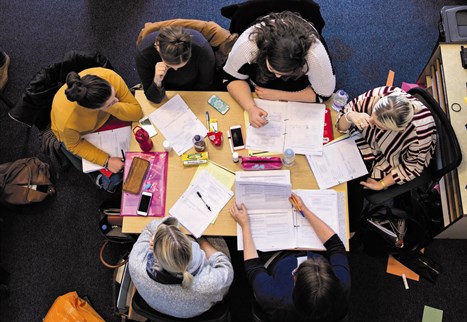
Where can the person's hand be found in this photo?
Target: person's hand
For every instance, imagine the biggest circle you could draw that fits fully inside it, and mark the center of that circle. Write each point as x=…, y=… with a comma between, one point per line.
x=151, y=242
x=372, y=184
x=240, y=215
x=360, y=120
x=257, y=116
x=159, y=74
x=268, y=94
x=115, y=164
x=300, y=202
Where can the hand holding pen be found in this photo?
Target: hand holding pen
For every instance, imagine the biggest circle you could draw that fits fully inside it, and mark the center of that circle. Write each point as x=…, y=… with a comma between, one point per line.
x=297, y=203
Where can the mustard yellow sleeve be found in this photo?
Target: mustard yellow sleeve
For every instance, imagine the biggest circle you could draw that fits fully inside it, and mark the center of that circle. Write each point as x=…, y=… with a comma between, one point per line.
x=128, y=108
x=84, y=149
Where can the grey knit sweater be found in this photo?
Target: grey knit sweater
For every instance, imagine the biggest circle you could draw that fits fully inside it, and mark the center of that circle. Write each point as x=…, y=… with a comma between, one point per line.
x=209, y=286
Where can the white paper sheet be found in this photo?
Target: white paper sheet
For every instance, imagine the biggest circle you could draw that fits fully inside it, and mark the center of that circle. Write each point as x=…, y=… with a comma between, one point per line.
x=110, y=141
x=192, y=211
x=341, y=162
x=290, y=125
x=178, y=124
x=275, y=225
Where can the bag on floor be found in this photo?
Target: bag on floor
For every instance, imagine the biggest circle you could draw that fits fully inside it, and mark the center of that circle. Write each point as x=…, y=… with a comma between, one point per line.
x=25, y=181
x=71, y=308
x=390, y=230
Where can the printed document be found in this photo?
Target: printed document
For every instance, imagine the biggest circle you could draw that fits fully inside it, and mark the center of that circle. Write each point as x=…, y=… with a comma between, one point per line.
x=110, y=141
x=290, y=125
x=275, y=225
x=178, y=124
x=341, y=162
x=201, y=203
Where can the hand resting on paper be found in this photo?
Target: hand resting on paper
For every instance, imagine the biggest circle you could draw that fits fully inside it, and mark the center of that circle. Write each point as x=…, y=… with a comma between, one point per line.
x=240, y=215
x=257, y=116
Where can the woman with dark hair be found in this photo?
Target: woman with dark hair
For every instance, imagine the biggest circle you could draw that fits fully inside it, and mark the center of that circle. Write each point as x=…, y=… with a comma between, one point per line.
x=177, y=275
x=83, y=105
x=283, y=59
x=318, y=289
x=174, y=58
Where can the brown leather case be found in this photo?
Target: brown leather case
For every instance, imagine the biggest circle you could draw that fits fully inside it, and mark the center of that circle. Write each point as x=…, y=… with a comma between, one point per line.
x=138, y=169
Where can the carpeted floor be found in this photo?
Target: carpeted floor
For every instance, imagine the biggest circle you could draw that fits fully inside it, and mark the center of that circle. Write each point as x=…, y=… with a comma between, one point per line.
x=53, y=247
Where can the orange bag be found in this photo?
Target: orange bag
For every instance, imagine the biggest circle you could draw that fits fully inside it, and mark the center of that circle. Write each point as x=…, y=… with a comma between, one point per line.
x=70, y=308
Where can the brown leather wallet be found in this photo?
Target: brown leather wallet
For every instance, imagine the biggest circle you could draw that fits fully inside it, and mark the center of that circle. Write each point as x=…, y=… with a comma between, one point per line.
x=138, y=169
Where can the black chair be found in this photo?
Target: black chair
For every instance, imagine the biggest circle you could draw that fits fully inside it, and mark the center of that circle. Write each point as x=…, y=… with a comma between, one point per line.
x=34, y=106
x=244, y=14
x=218, y=313
x=447, y=155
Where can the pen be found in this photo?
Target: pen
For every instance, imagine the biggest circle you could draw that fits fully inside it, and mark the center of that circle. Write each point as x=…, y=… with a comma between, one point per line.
x=201, y=197
x=123, y=155
x=229, y=138
x=260, y=152
x=296, y=206
x=222, y=167
x=208, y=121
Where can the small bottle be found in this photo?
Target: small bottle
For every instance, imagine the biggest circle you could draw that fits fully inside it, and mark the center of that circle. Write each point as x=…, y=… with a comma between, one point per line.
x=288, y=158
x=339, y=101
x=235, y=157
x=199, y=143
x=167, y=146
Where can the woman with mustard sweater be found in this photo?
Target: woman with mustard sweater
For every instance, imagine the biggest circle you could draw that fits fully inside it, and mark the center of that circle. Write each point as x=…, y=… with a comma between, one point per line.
x=84, y=104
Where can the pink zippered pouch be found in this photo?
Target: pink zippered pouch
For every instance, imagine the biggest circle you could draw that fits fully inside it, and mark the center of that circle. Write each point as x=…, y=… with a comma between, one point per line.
x=261, y=163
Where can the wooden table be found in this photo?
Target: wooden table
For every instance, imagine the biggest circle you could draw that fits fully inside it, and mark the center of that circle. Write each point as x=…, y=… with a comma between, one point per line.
x=179, y=176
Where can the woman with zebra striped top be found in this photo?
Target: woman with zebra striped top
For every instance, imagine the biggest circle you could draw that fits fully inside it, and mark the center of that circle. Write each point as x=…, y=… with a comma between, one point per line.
x=394, y=130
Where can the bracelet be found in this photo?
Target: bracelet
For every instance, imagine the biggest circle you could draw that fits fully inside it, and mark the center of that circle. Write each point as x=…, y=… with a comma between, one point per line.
x=345, y=116
x=383, y=184
x=106, y=164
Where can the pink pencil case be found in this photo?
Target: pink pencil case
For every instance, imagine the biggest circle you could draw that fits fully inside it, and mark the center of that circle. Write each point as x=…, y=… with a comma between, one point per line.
x=261, y=163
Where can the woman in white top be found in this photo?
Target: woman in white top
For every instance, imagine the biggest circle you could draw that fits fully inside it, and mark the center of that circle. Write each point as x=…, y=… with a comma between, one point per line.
x=284, y=59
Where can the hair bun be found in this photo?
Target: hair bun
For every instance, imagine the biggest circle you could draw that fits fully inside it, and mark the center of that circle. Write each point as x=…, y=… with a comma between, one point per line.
x=75, y=90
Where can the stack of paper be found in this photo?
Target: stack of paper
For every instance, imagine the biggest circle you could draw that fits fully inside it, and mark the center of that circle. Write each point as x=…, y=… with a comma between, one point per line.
x=201, y=203
x=178, y=124
x=290, y=125
x=274, y=223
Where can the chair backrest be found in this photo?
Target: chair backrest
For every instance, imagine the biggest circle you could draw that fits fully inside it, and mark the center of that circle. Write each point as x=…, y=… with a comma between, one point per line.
x=448, y=155
x=244, y=14
x=34, y=105
x=218, y=313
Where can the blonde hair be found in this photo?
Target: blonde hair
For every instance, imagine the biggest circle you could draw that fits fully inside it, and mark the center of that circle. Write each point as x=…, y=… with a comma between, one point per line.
x=172, y=250
x=394, y=111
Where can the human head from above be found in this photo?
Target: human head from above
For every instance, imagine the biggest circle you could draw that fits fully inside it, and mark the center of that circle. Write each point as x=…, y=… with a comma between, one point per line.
x=318, y=294
x=174, y=46
x=393, y=112
x=283, y=40
x=90, y=91
x=172, y=250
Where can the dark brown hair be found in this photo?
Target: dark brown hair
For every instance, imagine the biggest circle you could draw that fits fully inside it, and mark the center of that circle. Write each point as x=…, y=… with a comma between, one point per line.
x=89, y=91
x=174, y=45
x=284, y=40
x=318, y=293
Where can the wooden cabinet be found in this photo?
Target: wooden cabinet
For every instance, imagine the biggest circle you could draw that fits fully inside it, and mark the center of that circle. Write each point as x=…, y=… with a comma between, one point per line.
x=447, y=80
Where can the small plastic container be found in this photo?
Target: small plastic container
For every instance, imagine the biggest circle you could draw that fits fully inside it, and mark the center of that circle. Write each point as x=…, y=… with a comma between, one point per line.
x=167, y=146
x=235, y=157
x=199, y=144
x=339, y=100
x=288, y=159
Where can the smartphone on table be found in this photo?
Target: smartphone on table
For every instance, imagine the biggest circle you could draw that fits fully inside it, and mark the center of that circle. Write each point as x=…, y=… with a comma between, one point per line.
x=218, y=104
x=236, y=138
x=144, y=203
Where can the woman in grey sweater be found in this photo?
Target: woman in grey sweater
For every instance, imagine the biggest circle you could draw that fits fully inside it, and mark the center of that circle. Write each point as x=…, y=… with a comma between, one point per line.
x=175, y=275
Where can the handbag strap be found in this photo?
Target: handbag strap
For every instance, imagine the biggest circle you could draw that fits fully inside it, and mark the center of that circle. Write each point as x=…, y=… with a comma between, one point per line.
x=106, y=264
